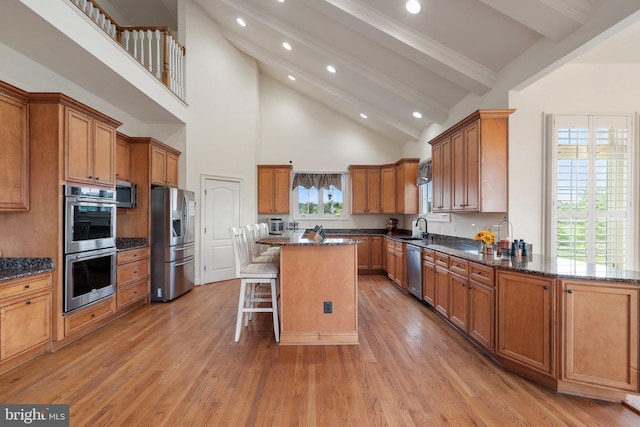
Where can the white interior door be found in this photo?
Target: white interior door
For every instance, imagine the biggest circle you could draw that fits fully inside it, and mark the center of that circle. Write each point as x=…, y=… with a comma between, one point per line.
x=221, y=211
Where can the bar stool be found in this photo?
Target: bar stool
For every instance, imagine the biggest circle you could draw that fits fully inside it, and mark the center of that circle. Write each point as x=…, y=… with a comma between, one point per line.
x=256, y=254
x=252, y=290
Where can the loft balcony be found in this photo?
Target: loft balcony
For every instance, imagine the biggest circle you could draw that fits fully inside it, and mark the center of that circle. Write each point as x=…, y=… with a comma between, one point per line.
x=60, y=36
x=157, y=49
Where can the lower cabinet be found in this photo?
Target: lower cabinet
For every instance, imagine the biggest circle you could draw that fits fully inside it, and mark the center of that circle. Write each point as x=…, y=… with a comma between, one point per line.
x=525, y=320
x=133, y=278
x=89, y=317
x=396, y=263
x=25, y=315
x=428, y=276
x=442, y=284
x=600, y=324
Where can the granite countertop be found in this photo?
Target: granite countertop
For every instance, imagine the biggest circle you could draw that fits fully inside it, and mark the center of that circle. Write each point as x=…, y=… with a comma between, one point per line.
x=534, y=264
x=297, y=239
x=130, y=243
x=15, y=268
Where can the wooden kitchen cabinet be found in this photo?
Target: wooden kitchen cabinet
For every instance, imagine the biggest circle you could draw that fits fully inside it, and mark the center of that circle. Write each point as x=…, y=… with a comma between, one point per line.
x=400, y=266
x=89, y=150
x=441, y=175
x=442, y=296
x=428, y=276
x=600, y=324
x=25, y=315
x=370, y=253
x=481, y=305
x=365, y=189
x=14, y=146
x=525, y=327
x=473, y=155
x=406, y=186
x=396, y=263
x=89, y=317
x=388, y=189
x=459, y=298
x=123, y=158
x=133, y=278
x=274, y=188
x=164, y=165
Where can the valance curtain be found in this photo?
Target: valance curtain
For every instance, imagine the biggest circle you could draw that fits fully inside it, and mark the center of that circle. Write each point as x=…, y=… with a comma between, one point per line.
x=424, y=172
x=317, y=180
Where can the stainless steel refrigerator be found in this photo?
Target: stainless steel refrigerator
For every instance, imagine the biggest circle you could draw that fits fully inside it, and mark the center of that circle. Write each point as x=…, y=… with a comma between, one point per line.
x=173, y=213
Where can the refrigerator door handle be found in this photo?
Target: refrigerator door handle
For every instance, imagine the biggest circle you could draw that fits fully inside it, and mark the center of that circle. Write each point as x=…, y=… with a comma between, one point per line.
x=183, y=248
x=185, y=263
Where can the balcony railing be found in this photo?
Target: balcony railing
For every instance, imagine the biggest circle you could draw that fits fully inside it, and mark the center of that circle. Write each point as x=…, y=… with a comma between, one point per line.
x=156, y=48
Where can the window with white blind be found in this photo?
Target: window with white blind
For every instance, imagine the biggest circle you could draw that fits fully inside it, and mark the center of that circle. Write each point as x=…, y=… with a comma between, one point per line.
x=591, y=189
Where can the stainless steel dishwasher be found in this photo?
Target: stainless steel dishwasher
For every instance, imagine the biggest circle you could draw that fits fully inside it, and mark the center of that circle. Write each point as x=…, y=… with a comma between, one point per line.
x=414, y=270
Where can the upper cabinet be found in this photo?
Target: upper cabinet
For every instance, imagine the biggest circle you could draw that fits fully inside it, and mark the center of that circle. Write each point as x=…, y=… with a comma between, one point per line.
x=441, y=165
x=14, y=145
x=164, y=166
x=89, y=149
x=406, y=186
x=470, y=164
x=123, y=158
x=365, y=189
x=385, y=189
x=274, y=187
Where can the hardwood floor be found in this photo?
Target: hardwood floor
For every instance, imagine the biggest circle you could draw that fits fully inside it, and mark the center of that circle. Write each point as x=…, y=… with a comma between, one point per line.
x=177, y=364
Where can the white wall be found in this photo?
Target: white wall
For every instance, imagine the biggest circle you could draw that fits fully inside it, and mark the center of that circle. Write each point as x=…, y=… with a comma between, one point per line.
x=222, y=119
x=574, y=88
x=315, y=138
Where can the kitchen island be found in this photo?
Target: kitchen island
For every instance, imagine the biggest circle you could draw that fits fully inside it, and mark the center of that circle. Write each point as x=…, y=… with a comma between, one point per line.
x=318, y=290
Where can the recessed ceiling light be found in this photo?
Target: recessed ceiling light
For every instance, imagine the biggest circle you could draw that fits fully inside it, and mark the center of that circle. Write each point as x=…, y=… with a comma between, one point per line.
x=286, y=45
x=280, y=1
x=363, y=115
x=331, y=69
x=241, y=22
x=293, y=79
x=417, y=114
x=413, y=7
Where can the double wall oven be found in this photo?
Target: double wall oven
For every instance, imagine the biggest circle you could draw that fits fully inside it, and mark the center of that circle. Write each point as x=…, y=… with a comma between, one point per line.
x=89, y=245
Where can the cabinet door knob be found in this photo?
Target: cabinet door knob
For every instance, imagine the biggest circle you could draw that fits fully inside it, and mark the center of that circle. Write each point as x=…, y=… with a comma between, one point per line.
x=546, y=288
x=28, y=302
x=570, y=291
x=27, y=286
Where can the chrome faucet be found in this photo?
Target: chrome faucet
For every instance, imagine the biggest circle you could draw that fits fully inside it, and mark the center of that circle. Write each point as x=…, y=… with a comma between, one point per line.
x=425, y=233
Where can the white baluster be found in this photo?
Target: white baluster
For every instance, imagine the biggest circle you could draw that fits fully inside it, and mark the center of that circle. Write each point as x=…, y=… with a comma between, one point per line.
x=150, y=64
x=181, y=70
x=141, y=35
x=125, y=39
x=88, y=8
x=173, y=65
x=160, y=62
x=135, y=43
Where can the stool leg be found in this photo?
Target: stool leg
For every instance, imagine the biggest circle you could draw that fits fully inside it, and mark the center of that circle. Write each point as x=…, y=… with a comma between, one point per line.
x=274, y=306
x=241, y=299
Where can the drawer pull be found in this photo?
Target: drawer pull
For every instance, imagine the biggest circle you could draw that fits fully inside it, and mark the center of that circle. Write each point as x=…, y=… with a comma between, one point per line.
x=93, y=315
x=28, y=302
x=135, y=272
x=570, y=291
x=27, y=286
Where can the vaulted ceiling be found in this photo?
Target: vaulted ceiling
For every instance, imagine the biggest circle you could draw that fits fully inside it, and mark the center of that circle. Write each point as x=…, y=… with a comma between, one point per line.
x=390, y=63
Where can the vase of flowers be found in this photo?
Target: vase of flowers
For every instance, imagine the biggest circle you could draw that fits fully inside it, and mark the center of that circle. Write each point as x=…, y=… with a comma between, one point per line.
x=487, y=240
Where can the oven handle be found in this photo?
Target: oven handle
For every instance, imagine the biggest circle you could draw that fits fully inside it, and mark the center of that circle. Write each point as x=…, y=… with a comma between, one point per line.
x=98, y=201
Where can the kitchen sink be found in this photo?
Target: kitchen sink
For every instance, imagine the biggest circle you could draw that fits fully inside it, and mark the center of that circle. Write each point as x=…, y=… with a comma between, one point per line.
x=411, y=238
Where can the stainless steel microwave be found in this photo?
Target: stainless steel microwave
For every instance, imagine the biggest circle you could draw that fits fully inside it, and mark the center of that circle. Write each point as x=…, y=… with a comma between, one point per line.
x=126, y=194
